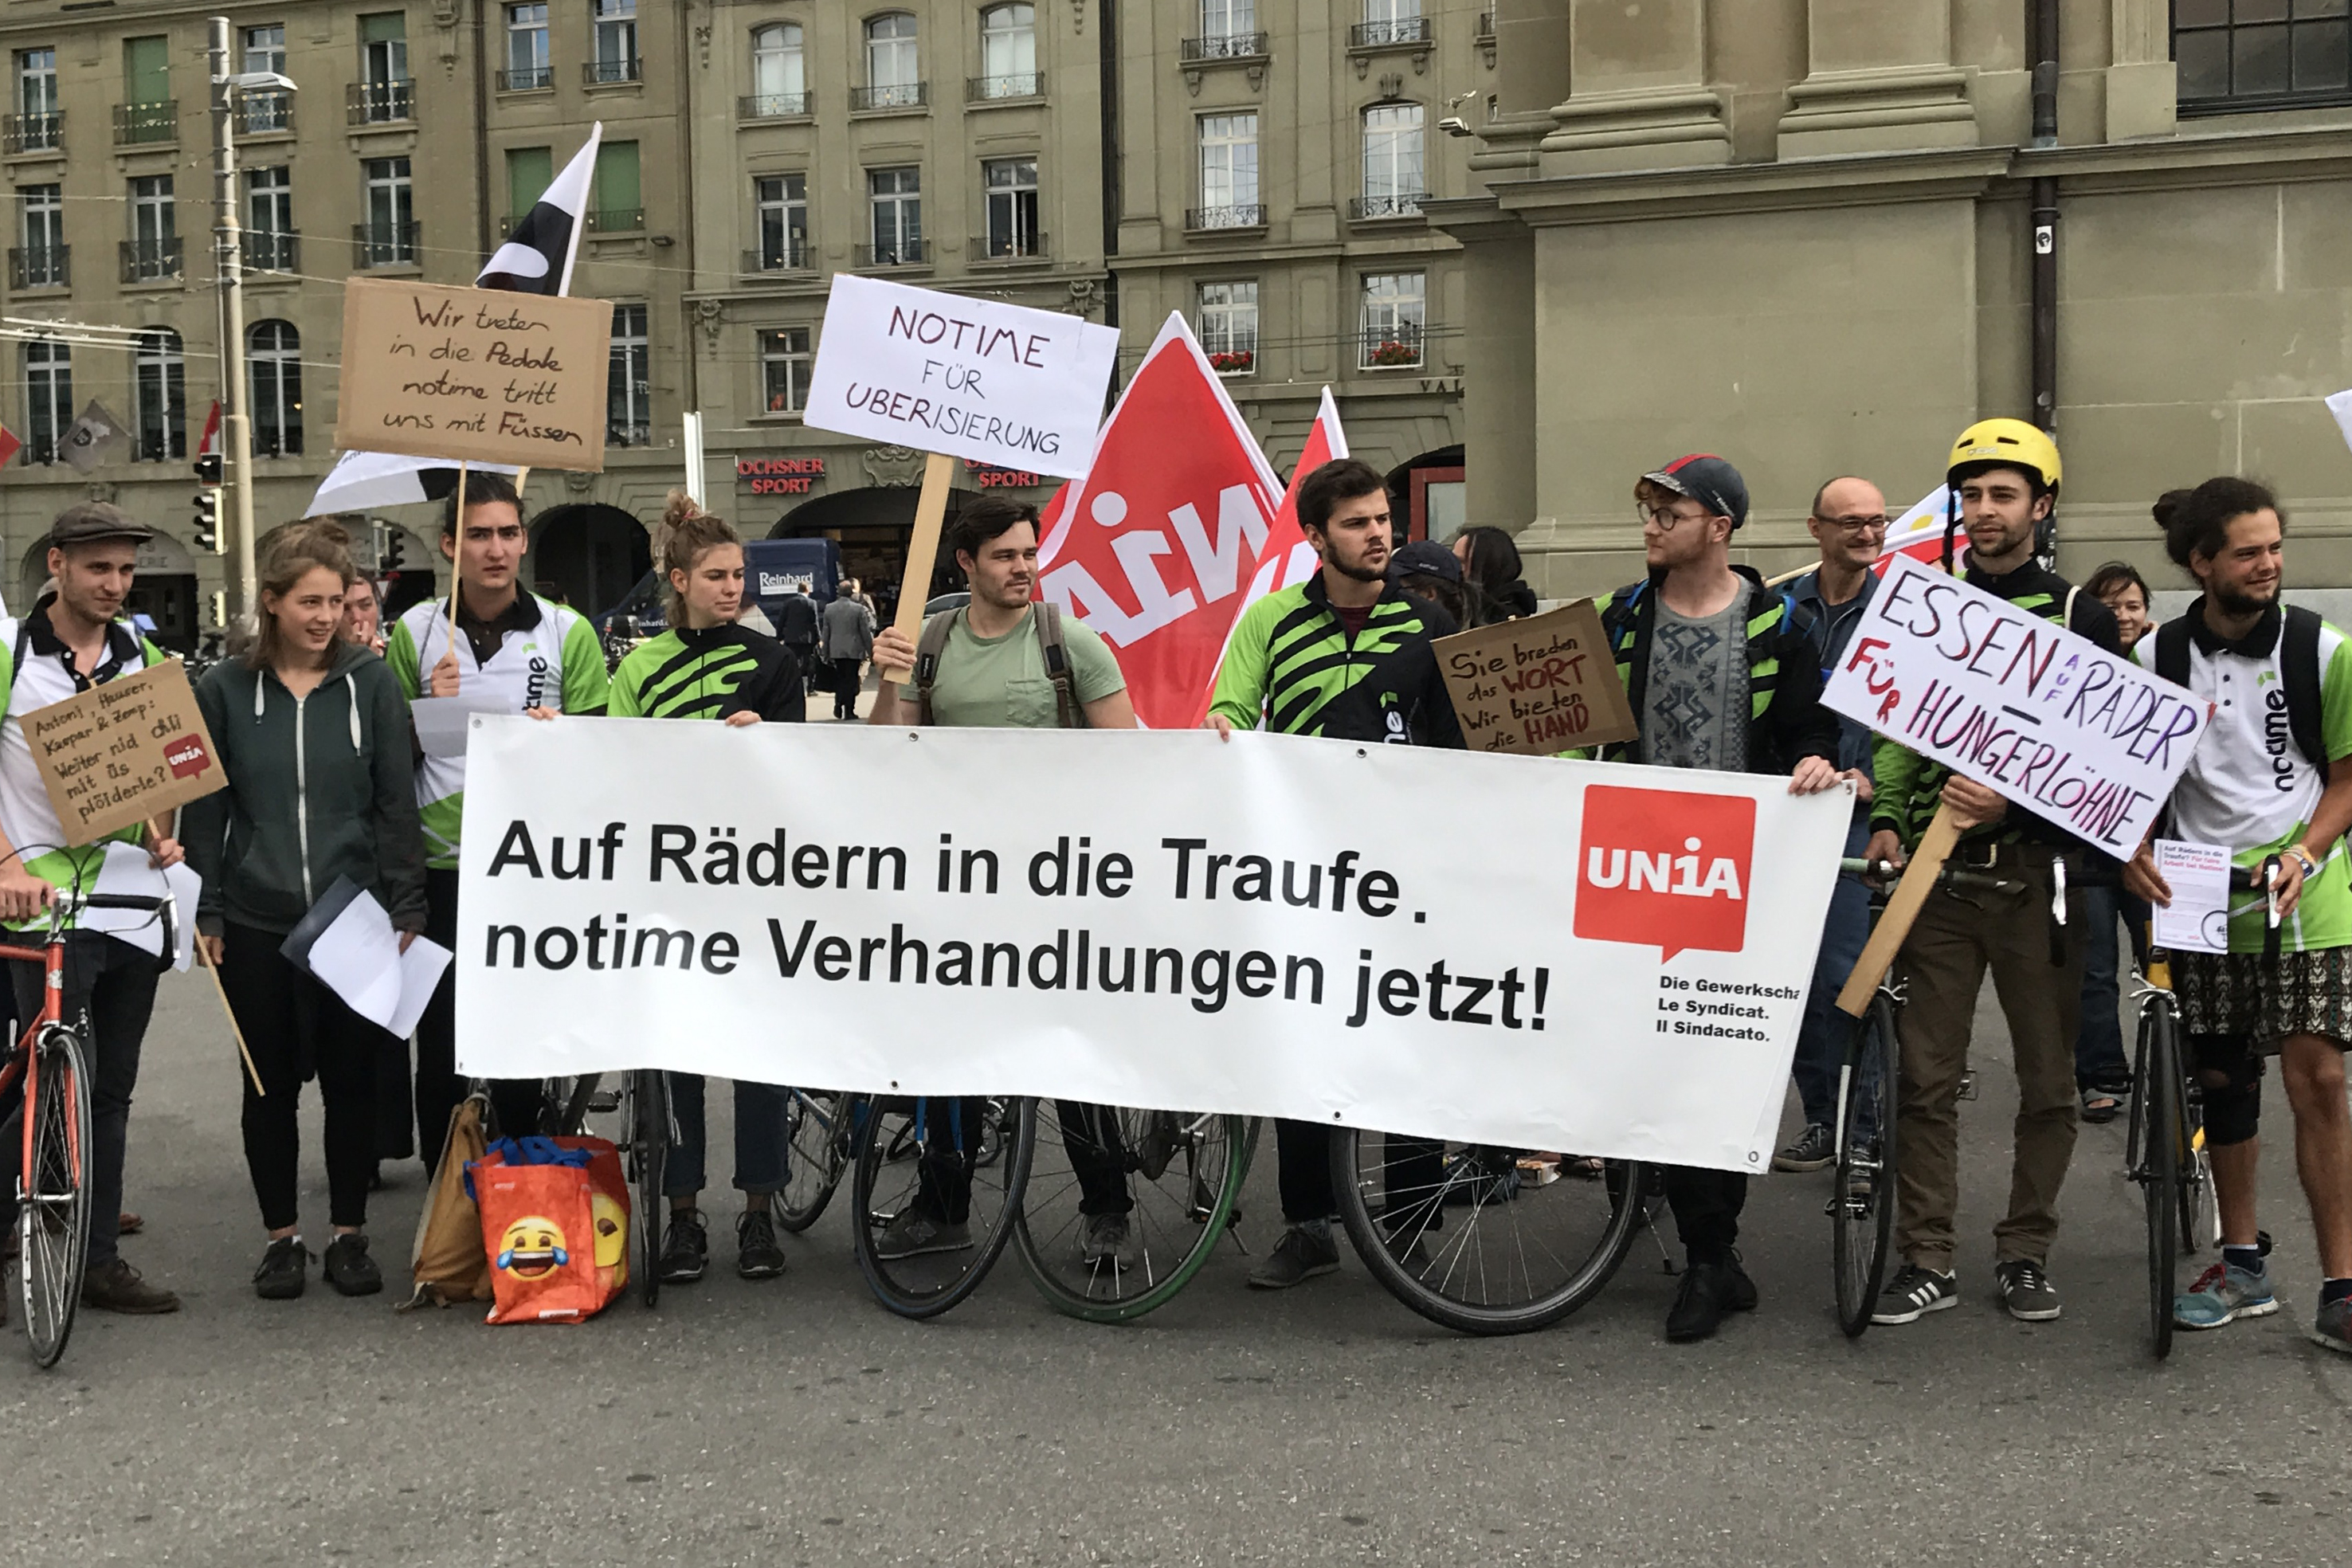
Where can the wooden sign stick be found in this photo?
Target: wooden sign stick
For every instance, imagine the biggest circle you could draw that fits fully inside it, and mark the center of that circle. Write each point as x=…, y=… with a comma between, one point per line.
x=221, y=992
x=923, y=549
x=1902, y=909
x=460, y=543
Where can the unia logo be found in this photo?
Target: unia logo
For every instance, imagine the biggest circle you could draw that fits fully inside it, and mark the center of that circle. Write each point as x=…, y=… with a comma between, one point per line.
x=1663, y=869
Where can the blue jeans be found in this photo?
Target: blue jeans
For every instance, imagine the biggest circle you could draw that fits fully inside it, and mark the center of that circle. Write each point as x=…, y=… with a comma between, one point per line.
x=2099, y=1061
x=762, y=1159
x=1826, y=1032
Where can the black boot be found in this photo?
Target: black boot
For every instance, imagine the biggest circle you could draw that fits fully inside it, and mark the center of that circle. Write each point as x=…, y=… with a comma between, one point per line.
x=1711, y=1288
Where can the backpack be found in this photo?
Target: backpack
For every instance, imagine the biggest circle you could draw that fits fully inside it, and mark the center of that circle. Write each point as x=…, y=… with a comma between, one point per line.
x=1068, y=714
x=2298, y=667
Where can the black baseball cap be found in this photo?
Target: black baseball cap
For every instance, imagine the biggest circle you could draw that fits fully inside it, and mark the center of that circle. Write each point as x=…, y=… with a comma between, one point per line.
x=1708, y=481
x=1427, y=558
x=90, y=521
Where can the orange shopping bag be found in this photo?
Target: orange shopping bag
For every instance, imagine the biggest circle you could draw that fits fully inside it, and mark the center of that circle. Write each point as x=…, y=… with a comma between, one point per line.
x=555, y=1227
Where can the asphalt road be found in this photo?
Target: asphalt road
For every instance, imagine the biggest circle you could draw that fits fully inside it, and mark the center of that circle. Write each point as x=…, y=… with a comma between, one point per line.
x=796, y=1423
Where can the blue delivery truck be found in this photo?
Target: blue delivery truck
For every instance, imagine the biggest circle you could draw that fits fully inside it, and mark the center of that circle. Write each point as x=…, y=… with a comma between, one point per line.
x=772, y=569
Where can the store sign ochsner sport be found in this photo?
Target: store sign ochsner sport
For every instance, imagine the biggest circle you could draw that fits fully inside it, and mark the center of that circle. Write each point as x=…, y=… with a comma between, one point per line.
x=1605, y=959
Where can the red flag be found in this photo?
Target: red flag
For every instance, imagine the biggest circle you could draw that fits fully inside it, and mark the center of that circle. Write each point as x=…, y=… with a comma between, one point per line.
x=1288, y=559
x=9, y=446
x=1155, y=547
x=209, y=443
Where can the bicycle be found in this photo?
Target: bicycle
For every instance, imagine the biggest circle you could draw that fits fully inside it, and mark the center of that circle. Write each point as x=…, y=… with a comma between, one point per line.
x=646, y=1130
x=975, y=1145
x=52, y=1190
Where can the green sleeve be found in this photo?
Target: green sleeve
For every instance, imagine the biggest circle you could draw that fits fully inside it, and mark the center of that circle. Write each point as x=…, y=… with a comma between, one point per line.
x=1240, y=696
x=2335, y=702
x=150, y=654
x=626, y=688
x=400, y=652
x=587, y=687
x=1893, y=780
x=1094, y=668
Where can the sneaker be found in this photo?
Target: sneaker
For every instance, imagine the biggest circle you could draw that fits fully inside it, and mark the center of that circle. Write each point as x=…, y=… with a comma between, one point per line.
x=115, y=1287
x=284, y=1269
x=1303, y=1251
x=1914, y=1292
x=2333, y=1328
x=758, y=1255
x=2103, y=1103
x=2026, y=1291
x=1108, y=1239
x=913, y=1233
x=686, y=1250
x=1708, y=1290
x=1814, y=1150
x=348, y=1268
x=2224, y=1294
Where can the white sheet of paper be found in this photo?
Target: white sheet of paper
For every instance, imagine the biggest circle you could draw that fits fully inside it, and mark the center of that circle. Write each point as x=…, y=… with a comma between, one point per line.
x=2198, y=919
x=126, y=869
x=359, y=959
x=441, y=724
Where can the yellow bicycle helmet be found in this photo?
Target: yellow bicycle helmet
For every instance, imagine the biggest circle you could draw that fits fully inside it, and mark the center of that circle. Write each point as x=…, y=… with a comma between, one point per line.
x=2006, y=443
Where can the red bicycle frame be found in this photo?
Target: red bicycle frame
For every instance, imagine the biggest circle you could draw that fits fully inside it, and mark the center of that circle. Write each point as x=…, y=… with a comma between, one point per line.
x=25, y=1061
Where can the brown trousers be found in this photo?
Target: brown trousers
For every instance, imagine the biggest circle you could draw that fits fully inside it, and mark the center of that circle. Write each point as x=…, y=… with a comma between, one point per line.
x=1957, y=936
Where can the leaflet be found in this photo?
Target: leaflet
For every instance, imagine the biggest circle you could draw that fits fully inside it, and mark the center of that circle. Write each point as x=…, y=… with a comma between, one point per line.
x=2198, y=919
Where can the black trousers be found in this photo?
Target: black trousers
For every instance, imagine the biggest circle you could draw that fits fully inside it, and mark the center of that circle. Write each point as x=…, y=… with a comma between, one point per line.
x=950, y=1144
x=1410, y=1171
x=514, y=1101
x=294, y=1026
x=847, y=679
x=1098, y=1153
x=115, y=983
x=1707, y=1206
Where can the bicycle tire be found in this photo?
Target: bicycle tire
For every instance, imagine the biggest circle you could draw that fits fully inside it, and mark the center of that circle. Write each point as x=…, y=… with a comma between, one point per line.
x=1862, y=1202
x=1450, y=1288
x=53, y=1219
x=1212, y=1154
x=921, y=1288
x=650, y=1132
x=816, y=1143
x=2159, y=1168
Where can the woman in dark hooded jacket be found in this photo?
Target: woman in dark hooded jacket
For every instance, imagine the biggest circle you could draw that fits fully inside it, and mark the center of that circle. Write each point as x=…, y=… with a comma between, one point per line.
x=1490, y=573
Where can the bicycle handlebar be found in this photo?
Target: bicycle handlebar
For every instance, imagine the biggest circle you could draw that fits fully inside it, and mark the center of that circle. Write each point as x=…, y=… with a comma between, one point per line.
x=1949, y=877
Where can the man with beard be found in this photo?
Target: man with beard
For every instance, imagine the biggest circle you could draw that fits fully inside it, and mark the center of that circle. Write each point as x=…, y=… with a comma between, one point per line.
x=1346, y=654
x=2272, y=780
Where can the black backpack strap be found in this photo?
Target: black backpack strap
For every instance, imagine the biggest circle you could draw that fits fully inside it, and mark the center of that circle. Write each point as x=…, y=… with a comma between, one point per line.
x=1068, y=711
x=933, y=643
x=2172, y=651
x=2300, y=673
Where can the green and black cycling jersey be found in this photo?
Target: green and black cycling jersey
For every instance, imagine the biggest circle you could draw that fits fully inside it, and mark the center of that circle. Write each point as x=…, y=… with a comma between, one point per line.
x=709, y=674
x=1293, y=662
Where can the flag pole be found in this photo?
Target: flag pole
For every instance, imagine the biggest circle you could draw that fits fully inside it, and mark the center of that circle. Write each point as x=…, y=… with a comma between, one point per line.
x=456, y=554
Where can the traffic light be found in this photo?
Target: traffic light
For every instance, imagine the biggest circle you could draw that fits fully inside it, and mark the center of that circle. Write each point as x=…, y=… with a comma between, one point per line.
x=208, y=470
x=208, y=521
x=388, y=559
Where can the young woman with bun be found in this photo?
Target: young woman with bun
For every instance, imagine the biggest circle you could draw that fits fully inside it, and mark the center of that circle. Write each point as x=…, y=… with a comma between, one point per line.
x=313, y=739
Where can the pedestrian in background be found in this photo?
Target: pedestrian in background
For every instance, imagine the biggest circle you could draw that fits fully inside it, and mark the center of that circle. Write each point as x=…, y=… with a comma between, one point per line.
x=363, y=613
x=796, y=628
x=849, y=639
x=1427, y=570
x=1490, y=571
x=2101, y=1074
x=313, y=739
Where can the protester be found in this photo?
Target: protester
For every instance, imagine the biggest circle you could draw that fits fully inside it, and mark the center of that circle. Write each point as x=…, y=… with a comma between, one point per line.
x=313, y=736
x=1429, y=571
x=363, y=613
x=848, y=638
x=1346, y=654
x=2102, y=1075
x=796, y=628
x=1720, y=674
x=74, y=638
x=1000, y=662
x=1490, y=573
x=2269, y=798
x=1848, y=522
x=2006, y=475
x=511, y=652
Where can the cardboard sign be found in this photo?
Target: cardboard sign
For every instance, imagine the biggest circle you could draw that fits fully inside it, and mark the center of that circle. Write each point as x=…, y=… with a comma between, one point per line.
x=973, y=378
x=481, y=376
x=1537, y=686
x=120, y=752
x=2047, y=719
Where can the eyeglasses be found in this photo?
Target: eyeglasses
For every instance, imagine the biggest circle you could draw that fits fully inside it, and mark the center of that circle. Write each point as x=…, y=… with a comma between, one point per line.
x=1665, y=516
x=1875, y=524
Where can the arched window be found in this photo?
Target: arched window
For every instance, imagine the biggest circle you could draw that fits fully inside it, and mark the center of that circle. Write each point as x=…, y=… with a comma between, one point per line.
x=894, y=77
x=273, y=352
x=1008, y=51
x=161, y=394
x=779, y=75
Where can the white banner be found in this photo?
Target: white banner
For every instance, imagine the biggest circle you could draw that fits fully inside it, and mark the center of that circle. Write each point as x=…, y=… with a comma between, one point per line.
x=1598, y=958
x=2048, y=719
x=973, y=378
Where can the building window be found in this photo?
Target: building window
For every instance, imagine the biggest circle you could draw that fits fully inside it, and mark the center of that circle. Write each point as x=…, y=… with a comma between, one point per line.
x=269, y=218
x=1008, y=52
x=1228, y=173
x=384, y=92
x=619, y=193
x=1228, y=325
x=48, y=398
x=529, y=171
x=896, y=196
x=37, y=81
x=2259, y=54
x=264, y=109
x=160, y=390
x=780, y=202
x=147, y=71
x=530, y=64
x=1391, y=22
x=628, y=383
x=41, y=264
x=274, y=366
x=785, y=366
x=779, y=73
x=153, y=251
x=388, y=237
x=894, y=78
x=1011, y=185
x=1393, y=181
x=265, y=48
x=1394, y=307
x=616, y=42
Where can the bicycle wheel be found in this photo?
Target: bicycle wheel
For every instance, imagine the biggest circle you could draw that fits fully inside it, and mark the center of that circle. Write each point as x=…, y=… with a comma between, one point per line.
x=817, y=1141
x=2155, y=1145
x=948, y=1135
x=1862, y=1203
x=1181, y=1175
x=650, y=1132
x=1468, y=1237
x=53, y=1219
x=2200, y=1216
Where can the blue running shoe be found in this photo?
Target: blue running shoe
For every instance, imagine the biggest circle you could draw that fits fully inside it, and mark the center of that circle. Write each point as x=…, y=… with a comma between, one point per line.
x=2224, y=1294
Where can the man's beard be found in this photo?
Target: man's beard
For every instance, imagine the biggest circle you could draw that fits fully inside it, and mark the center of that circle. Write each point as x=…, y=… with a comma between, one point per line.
x=1358, y=569
x=2235, y=601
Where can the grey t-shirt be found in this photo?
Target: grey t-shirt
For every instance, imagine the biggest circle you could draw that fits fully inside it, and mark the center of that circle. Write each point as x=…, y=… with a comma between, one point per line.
x=1697, y=700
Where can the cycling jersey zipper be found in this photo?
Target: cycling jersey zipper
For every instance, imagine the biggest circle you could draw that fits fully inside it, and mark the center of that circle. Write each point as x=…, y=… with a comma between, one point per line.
x=302, y=801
